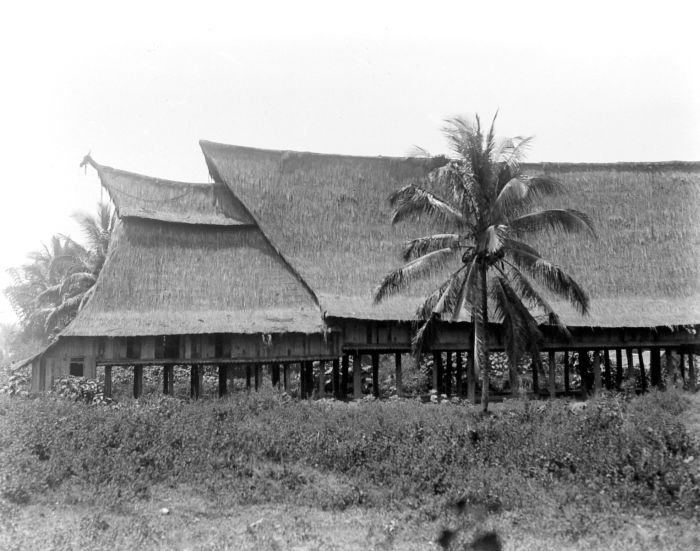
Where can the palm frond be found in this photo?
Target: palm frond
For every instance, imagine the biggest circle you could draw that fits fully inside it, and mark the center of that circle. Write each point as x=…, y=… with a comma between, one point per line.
x=400, y=279
x=412, y=202
x=422, y=245
x=521, y=193
x=552, y=278
x=520, y=328
x=59, y=316
x=467, y=288
x=556, y=220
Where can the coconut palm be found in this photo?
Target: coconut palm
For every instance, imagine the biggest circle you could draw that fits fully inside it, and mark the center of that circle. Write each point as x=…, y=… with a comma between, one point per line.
x=484, y=208
x=48, y=291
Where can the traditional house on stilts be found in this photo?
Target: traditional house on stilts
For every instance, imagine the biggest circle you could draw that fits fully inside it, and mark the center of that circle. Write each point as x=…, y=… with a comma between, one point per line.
x=275, y=262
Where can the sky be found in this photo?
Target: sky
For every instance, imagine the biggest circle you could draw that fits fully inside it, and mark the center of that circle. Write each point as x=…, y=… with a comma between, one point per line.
x=137, y=84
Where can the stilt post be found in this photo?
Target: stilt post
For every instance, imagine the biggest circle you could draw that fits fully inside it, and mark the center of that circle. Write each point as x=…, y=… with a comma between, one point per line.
x=567, y=376
x=399, y=375
x=195, y=388
x=655, y=366
x=336, y=378
x=552, y=374
x=344, y=376
x=618, y=368
x=138, y=380
x=222, y=380
x=608, y=370
x=108, y=381
x=357, y=376
x=642, y=371
x=375, y=374
x=597, y=380
x=692, y=379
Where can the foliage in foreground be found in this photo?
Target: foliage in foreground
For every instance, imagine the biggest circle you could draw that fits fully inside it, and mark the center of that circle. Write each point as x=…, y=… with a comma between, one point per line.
x=263, y=448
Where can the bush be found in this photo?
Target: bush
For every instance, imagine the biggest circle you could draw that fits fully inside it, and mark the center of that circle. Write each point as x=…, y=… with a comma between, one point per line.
x=262, y=447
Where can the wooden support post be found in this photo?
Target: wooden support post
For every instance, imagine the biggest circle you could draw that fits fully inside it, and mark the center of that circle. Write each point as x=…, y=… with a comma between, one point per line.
x=248, y=376
x=138, y=380
x=567, y=376
x=681, y=365
x=642, y=371
x=459, y=374
x=321, y=380
x=692, y=379
x=552, y=375
x=618, y=368
x=168, y=378
x=275, y=375
x=471, y=377
x=345, y=377
x=357, y=376
x=437, y=372
x=535, y=365
x=584, y=365
x=336, y=378
x=608, y=370
x=310, y=378
x=222, y=380
x=399, y=375
x=655, y=366
x=447, y=379
x=195, y=381
x=630, y=365
x=597, y=380
x=302, y=380
x=108, y=381
x=375, y=374
x=285, y=377
x=258, y=376
x=513, y=377
x=671, y=373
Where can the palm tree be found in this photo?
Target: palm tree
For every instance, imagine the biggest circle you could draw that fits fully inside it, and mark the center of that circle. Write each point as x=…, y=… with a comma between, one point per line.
x=482, y=204
x=48, y=291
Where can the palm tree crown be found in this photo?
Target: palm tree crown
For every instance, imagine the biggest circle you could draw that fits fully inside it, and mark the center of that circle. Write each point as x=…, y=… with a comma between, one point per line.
x=49, y=290
x=485, y=208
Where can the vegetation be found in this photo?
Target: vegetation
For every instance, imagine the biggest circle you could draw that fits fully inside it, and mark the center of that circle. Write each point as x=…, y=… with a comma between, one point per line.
x=48, y=291
x=531, y=471
x=483, y=218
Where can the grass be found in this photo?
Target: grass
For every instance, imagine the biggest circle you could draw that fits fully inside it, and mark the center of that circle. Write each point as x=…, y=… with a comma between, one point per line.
x=259, y=471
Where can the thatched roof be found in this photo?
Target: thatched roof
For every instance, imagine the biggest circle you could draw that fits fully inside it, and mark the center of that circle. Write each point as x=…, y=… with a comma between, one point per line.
x=187, y=259
x=155, y=199
x=329, y=216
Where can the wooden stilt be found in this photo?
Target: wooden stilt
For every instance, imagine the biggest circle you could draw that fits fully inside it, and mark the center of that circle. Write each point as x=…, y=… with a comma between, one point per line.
x=552, y=375
x=655, y=366
x=471, y=377
x=447, y=379
x=597, y=379
x=608, y=370
x=671, y=375
x=168, y=378
x=336, y=378
x=642, y=371
x=375, y=374
x=248, y=376
x=195, y=388
x=222, y=380
x=437, y=372
x=275, y=375
x=310, y=379
x=618, y=368
x=108, y=381
x=344, y=376
x=567, y=376
x=321, y=381
x=513, y=377
x=630, y=365
x=285, y=377
x=399, y=375
x=459, y=374
x=584, y=364
x=302, y=380
x=138, y=380
x=681, y=366
x=258, y=376
x=357, y=376
x=692, y=379
x=535, y=365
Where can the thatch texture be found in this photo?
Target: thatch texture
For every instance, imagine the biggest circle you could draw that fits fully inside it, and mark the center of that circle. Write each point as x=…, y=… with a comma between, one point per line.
x=144, y=197
x=174, y=278
x=329, y=216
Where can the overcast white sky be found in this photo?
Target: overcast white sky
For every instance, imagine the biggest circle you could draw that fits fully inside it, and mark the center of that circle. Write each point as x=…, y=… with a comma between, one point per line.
x=139, y=84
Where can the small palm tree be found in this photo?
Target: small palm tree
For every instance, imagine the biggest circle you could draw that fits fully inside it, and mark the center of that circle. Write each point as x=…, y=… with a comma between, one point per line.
x=48, y=291
x=483, y=206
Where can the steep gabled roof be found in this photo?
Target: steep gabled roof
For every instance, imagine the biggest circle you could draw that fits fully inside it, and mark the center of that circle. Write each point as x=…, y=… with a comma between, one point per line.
x=186, y=259
x=329, y=215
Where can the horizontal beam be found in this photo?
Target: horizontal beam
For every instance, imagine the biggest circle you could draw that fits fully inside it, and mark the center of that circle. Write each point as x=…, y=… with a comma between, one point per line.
x=216, y=361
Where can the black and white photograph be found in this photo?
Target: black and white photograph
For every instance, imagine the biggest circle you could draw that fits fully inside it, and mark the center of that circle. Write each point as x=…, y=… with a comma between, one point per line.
x=309, y=276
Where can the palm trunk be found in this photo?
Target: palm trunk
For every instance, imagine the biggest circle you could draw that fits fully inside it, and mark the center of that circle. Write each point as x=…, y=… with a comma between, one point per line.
x=484, y=342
